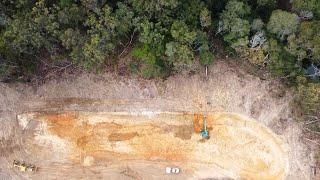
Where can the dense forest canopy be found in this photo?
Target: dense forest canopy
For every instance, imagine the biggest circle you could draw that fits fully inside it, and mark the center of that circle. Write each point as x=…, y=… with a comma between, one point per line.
x=164, y=36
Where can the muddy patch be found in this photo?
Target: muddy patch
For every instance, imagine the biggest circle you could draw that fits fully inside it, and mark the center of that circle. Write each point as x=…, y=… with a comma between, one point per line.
x=184, y=132
x=122, y=136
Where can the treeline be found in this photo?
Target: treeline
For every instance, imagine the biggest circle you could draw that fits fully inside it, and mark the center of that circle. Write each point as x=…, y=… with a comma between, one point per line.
x=166, y=36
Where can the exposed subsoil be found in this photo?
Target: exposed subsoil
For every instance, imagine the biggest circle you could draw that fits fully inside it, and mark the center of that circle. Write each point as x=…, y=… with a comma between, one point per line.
x=65, y=128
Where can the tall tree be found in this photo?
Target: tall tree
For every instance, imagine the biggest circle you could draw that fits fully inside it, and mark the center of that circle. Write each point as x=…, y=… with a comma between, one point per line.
x=282, y=24
x=234, y=22
x=306, y=43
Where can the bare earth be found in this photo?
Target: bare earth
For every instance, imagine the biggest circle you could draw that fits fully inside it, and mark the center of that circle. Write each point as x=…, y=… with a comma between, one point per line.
x=127, y=128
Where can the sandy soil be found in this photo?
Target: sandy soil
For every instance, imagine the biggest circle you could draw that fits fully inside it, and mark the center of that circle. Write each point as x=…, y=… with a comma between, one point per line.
x=238, y=147
x=226, y=89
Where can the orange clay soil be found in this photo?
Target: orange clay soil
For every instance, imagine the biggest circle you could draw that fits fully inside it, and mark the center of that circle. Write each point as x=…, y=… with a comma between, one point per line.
x=238, y=146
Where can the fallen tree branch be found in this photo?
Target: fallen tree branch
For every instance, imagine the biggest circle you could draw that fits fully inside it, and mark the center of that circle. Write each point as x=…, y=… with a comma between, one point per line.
x=127, y=45
x=315, y=117
x=315, y=142
x=318, y=133
x=310, y=122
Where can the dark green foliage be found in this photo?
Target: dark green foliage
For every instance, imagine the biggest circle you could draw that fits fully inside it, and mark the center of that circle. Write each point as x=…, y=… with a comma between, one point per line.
x=205, y=18
x=92, y=33
x=124, y=18
x=191, y=11
x=9, y=8
x=22, y=36
x=281, y=63
x=309, y=97
x=265, y=7
x=179, y=55
x=65, y=3
x=70, y=17
x=151, y=33
x=181, y=33
x=306, y=43
x=235, y=25
x=307, y=5
x=266, y=2
x=102, y=37
x=152, y=65
x=93, y=5
x=167, y=35
x=206, y=57
x=153, y=7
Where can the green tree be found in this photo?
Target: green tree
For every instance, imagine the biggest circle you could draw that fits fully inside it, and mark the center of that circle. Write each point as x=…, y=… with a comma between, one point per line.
x=266, y=2
x=151, y=48
x=9, y=8
x=205, y=18
x=65, y=3
x=257, y=25
x=72, y=16
x=125, y=19
x=309, y=97
x=307, y=5
x=93, y=5
x=306, y=43
x=151, y=33
x=281, y=63
x=102, y=37
x=202, y=47
x=206, y=57
x=153, y=36
x=190, y=11
x=181, y=33
x=73, y=41
x=234, y=22
x=282, y=24
x=179, y=51
x=153, y=8
x=152, y=66
x=21, y=36
x=179, y=55
x=32, y=32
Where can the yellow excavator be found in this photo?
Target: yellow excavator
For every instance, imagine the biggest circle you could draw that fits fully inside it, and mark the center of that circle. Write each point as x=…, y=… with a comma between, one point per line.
x=23, y=167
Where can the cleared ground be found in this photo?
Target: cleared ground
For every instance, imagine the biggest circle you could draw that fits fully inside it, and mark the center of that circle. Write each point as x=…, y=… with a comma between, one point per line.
x=70, y=134
x=238, y=148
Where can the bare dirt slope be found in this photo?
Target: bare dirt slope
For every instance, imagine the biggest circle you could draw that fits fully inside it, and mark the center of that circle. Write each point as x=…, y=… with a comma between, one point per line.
x=226, y=89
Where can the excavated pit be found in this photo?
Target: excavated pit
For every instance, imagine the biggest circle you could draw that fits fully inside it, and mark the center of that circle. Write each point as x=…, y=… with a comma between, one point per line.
x=238, y=147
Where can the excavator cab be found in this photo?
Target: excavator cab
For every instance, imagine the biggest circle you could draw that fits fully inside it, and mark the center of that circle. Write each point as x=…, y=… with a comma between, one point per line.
x=204, y=132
